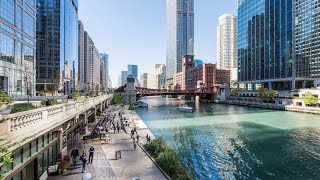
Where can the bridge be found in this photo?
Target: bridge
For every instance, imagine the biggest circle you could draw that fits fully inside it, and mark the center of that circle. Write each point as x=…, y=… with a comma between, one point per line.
x=197, y=91
x=207, y=92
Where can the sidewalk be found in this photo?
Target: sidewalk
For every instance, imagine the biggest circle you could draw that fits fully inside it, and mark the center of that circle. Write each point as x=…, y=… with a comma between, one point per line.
x=100, y=167
x=134, y=162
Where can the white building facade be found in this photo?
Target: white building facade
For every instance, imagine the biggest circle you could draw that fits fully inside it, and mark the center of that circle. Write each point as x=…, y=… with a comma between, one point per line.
x=144, y=80
x=227, y=44
x=157, y=78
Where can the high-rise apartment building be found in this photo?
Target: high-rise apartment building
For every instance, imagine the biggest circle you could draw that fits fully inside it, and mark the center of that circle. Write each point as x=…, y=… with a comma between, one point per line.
x=82, y=63
x=103, y=75
x=144, y=80
x=105, y=58
x=133, y=70
x=227, y=43
x=17, y=47
x=57, y=45
x=92, y=64
x=180, y=35
x=157, y=77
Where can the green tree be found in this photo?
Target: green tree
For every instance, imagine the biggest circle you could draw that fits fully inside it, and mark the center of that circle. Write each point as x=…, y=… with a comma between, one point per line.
x=4, y=98
x=117, y=99
x=4, y=159
x=309, y=99
x=267, y=94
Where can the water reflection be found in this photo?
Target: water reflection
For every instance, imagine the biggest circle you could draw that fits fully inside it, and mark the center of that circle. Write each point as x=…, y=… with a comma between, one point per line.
x=231, y=142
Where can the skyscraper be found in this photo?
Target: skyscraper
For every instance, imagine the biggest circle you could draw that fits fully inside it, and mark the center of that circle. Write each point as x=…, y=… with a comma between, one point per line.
x=227, y=43
x=133, y=70
x=92, y=64
x=265, y=44
x=105, y=58
x=180, y=35
x=144, y=80
x=17, y=47
x=157, y=77
x=123, y=77
x=57, y=44
x=82, y=69
x=307, y=42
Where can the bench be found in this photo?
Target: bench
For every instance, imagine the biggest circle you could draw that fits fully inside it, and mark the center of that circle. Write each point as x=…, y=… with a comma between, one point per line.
x=52, y=170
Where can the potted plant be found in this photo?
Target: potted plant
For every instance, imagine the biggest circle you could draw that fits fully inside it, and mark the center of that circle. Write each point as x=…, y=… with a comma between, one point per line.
x=4, y=100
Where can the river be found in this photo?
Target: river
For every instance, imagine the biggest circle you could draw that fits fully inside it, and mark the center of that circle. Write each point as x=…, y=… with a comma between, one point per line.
x=220, y=141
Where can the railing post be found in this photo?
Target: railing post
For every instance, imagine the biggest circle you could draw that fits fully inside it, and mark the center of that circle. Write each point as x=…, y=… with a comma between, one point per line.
x=44, y=114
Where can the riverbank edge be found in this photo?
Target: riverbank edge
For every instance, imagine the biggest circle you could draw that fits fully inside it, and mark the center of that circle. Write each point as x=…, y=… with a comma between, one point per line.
x=147, y=153
x=315, y=111
x=141, y=145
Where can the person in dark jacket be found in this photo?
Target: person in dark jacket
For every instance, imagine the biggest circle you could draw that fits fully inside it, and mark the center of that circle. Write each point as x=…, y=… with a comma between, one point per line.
x=91, y=151
x=74, y=155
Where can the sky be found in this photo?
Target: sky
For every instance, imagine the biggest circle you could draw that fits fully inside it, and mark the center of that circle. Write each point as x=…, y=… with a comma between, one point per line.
x=134, y=31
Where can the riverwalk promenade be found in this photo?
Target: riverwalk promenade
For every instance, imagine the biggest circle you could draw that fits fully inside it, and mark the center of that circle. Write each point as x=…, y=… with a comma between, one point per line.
x=133, y=163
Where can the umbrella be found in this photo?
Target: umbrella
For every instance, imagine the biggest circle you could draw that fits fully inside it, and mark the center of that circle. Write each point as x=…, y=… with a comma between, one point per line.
x=87, y=176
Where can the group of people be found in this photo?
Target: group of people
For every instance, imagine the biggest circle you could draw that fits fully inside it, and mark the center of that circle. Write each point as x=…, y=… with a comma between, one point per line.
x=75, y=154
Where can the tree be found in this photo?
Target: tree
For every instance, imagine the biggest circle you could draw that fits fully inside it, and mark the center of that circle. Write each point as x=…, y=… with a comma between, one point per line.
x=54, y=82
x=117, y=99
x=267, y=94
x=4, y=159
x=309, y=99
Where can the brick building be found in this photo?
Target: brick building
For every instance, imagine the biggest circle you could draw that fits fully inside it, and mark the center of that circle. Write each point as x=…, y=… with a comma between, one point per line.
x=208, y=74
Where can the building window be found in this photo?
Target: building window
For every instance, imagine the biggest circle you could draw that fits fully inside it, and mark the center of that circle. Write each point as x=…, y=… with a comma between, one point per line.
x=18, y=176
x=18, y=53
x=19, y=17
x=40, y=143
x=19, y=85
x=26, y=151
x=6, y=48
x=28, y=24
x=28, y=57
x=34, y=146
x=7, y=10
x=17, y=158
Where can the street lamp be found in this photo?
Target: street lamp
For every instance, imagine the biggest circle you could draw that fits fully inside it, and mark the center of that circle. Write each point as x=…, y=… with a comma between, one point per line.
x=26, y=78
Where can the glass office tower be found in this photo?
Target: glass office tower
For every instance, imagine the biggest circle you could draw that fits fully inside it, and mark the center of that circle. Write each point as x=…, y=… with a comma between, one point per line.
x=265, y=44
x=57, y=45
x=133, y=70
x=17, y=47
x=307, y=42
x=180, y=35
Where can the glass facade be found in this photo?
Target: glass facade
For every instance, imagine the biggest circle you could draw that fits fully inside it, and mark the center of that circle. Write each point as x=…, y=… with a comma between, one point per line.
x=133, y=70
x=180, y=34
x=28, y=150
x=265, y=44
x=17, y=37
x=57, y=43
x=307, y=38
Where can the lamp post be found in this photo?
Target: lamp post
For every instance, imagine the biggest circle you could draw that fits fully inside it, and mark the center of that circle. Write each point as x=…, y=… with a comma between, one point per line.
x=26, y=78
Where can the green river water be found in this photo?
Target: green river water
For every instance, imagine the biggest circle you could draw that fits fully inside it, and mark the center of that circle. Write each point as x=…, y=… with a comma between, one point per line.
x=233, y=142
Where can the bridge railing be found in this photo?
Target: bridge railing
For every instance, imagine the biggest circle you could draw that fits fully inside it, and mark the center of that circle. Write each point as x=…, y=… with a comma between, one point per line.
x=29, y=123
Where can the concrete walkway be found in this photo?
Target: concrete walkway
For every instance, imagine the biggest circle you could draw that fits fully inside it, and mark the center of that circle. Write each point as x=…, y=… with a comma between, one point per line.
x=133, y=162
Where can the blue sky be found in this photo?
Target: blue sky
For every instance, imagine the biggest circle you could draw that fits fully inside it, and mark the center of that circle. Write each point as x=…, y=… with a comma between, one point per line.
x=134, y=31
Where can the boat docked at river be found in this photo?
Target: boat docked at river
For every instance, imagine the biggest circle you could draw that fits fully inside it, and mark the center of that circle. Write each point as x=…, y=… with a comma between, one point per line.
x=185, y=108
x=140, y=104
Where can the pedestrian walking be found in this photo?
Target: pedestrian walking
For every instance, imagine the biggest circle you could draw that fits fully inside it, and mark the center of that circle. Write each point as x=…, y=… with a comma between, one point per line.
x=147, y=137
x=134, y=140
x=91, y=151
x=132, y=133
x=74, y=155
x=84, y=164
x=84, y=155
x=118, y=128
x=134, y=145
